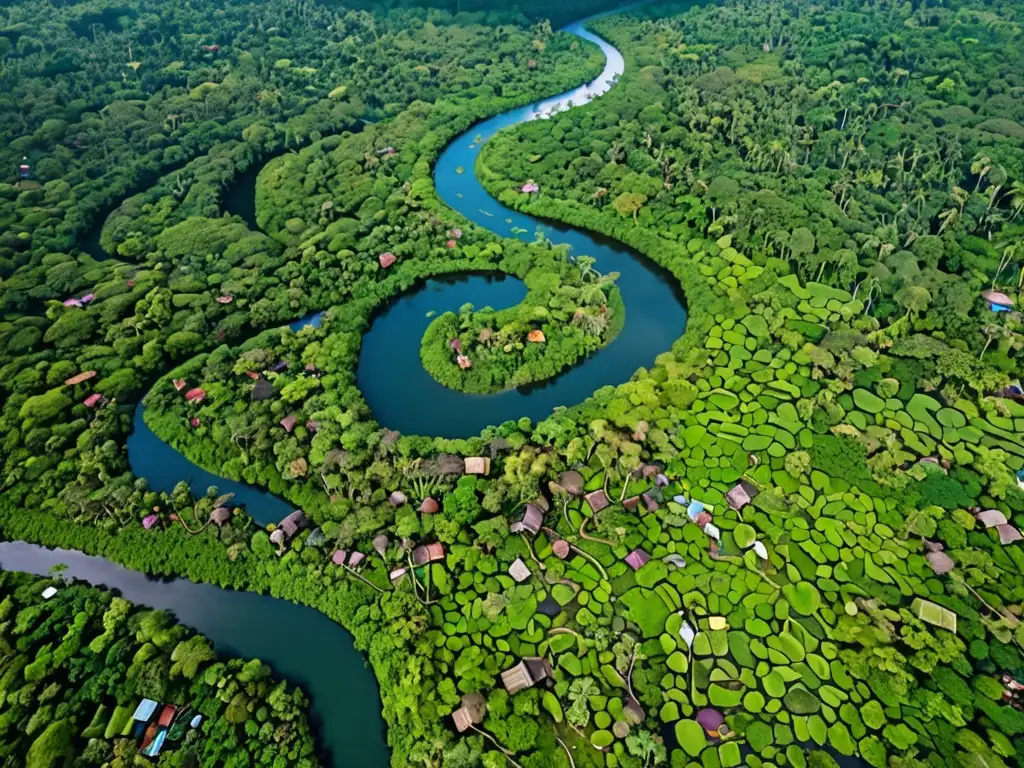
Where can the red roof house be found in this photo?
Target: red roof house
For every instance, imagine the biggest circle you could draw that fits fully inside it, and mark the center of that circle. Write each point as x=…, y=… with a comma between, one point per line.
x=196, y=395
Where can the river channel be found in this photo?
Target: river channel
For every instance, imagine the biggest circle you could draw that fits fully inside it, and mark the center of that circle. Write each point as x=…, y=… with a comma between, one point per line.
x=301, y=643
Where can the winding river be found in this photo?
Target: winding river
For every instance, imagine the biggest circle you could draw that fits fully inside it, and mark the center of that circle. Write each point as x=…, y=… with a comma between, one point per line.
x=299, y=642
x=400, y=392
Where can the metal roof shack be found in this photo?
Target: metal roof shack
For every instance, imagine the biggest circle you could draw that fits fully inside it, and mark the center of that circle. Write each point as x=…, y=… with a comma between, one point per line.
x=637, y=559
x=740, y=495
x=532, y=520
x=597, y=500
x=519, y=571
x=80, y=377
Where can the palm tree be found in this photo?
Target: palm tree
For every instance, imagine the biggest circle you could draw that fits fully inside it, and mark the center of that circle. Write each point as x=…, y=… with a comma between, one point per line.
x=980, y=166
x=1016, y=195
x=991, y=332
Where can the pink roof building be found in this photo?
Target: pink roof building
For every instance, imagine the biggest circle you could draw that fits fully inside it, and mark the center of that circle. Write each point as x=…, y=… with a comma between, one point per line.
x=224, y=299
x=637, y=559
x=355, y=559
x=196, y=395
x=179, y=384
x=89, y=297
x=464, y=362
x=1008, y=534
x=529, y=188
x=288, y=422
x=386, y=259
x=990, y=518
x=72, y=302
x=740, y=495
x=92, y=400
x=597, y=500
x=339, y=557
x=149, y=521
x=940, y=562
x=429, y=506
x=999, y=298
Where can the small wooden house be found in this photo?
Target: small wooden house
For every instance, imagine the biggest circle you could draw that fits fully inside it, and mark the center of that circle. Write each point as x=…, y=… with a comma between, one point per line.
x=477, y=465
x=597, y=500
x=526, y=674
x=292, y=524
x=519, y=571
x=532, y=520
x=428, y=553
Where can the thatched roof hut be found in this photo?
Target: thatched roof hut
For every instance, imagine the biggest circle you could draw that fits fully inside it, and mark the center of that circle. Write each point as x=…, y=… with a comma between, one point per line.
x=293, y=523
x=220, y=515
x=526, y=674
x=477, y=465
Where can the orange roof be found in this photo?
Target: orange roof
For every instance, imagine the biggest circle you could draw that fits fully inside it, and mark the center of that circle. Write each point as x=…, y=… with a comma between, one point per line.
x=536, y=336
x=79, y=378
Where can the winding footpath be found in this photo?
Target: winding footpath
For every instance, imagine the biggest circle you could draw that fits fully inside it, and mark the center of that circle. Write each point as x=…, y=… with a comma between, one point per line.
x=300, y=642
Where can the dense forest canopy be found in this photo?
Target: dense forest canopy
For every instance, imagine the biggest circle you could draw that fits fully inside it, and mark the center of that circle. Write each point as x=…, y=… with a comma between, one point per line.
x=77, y=664
x=798, y=540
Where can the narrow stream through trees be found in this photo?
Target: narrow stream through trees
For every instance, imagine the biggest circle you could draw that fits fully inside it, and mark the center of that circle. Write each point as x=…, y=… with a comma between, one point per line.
x=299, y=642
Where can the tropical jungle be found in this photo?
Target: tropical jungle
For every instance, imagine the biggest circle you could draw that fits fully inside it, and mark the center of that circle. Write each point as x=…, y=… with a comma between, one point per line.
x=629, y=386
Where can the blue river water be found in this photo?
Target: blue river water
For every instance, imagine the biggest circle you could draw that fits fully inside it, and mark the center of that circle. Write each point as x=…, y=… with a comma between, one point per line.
x=404, y=397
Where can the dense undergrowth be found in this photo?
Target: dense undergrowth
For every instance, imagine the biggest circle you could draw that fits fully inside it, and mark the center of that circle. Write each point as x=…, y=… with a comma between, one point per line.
x=832, y=187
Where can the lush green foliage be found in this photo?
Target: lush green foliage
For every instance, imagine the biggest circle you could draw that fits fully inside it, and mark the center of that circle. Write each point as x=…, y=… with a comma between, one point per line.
x=76, y=666
x=833, y=186
x=481, y=351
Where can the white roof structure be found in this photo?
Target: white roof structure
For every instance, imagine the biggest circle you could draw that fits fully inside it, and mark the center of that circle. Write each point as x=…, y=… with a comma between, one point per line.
x=145, y=710
x=712, y=531
x=49, y=592
x=688, y=634
x=519, y=571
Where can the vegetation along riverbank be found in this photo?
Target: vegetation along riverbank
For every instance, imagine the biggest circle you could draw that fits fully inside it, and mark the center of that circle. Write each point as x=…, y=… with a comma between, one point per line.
x=790, y=539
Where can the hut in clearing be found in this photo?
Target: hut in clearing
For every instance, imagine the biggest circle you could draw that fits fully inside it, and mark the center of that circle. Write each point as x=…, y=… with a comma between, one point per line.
x=526, y=674
x=477, y=465
x=428, y=553
x=532, y=520
x=293, y=523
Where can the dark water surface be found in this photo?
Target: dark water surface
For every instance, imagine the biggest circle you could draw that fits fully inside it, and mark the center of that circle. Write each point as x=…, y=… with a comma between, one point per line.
x=300, y=643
